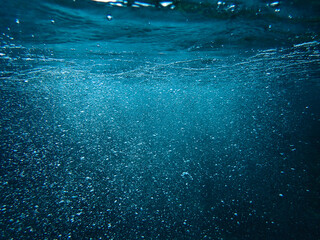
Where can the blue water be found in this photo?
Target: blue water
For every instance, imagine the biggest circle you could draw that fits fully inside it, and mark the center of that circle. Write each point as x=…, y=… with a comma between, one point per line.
x=153, y=120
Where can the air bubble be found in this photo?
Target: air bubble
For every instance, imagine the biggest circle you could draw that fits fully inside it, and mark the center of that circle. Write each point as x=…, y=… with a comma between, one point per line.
x=109, y=17
x=274, y=4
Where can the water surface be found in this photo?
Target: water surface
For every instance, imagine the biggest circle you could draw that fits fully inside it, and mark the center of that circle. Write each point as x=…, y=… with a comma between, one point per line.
x=153, y=120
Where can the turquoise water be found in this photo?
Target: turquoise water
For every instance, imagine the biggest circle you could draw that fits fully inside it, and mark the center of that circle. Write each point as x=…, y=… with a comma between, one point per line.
x=159, y=120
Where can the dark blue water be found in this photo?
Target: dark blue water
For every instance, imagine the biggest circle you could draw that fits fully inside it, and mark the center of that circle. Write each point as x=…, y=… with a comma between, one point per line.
x=159, y=120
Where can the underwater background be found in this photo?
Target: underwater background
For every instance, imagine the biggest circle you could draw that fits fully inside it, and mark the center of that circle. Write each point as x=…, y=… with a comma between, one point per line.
x=159, y=120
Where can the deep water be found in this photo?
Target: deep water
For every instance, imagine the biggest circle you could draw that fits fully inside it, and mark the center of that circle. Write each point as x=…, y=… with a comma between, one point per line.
x=152, y=120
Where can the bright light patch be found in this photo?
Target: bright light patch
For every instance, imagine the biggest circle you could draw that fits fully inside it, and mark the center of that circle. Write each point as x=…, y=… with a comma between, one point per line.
x=106, y=1
x=142, y=4
x=165, y=4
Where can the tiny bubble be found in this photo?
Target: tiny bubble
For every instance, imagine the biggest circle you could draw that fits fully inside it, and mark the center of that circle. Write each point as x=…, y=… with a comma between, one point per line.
x=275, y=4
x=109, y=17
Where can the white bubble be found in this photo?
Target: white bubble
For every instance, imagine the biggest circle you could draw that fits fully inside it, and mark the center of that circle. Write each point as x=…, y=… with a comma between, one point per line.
x=109, y=17
x=274, y=4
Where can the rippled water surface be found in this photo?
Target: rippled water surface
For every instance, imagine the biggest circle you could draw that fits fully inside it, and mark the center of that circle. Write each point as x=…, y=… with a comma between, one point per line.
x=159, y=120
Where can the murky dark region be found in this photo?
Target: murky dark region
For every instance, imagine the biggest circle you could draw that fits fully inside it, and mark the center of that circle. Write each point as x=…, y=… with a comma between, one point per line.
x=159, y=120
